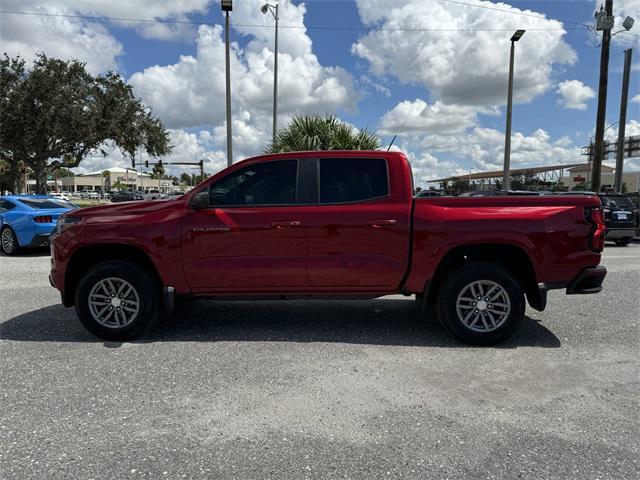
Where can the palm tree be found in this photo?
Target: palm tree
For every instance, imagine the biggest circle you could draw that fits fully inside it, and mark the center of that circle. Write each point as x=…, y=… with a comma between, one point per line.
x=318, y=132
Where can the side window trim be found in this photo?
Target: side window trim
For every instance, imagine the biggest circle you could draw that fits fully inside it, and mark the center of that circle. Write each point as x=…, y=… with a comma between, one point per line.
x=353, y=202
x=262, y=205
x=308, y=178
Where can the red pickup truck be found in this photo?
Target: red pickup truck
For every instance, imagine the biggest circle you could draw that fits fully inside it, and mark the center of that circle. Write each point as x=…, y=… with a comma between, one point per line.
x=337, y=224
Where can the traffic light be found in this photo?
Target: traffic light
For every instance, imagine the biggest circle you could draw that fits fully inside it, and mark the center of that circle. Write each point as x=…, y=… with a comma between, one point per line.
x=146, y=164
x=201, y=164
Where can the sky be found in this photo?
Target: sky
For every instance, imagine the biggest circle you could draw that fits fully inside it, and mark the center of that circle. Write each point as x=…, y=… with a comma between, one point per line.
x=432, y=72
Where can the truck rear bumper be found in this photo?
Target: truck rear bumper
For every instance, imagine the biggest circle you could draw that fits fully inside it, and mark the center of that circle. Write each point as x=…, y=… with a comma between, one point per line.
x=588, y=281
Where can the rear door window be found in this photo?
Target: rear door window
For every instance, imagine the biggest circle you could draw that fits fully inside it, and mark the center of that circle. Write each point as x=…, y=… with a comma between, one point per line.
x=346, y=180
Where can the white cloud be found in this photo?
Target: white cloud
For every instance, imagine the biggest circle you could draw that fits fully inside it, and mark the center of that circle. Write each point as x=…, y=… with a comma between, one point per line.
x=59, y=37
x=440, y=60
x=636, y=99
x=191, y=92
x=187, y=147
x=419, y=117
x=85, y=39
x=574, y=94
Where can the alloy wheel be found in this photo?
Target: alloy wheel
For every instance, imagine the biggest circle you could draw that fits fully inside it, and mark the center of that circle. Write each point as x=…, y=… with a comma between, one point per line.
x=114, y=302
x=483, y=306
x=8, y=243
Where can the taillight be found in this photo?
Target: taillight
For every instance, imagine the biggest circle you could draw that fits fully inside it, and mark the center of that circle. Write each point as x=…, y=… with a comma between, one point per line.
x=43, y=219
x=596, y=237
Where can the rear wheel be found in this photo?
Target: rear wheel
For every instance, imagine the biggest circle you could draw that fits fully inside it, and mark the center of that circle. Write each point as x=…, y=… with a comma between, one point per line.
x=8, y=241
x=623, y=242
x=481, y=304
x=117, y=301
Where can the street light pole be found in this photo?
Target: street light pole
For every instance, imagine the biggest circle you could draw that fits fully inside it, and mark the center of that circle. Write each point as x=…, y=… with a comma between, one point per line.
x=227, y=6
x=623, y=119
x=506, y=180
x=267, y=7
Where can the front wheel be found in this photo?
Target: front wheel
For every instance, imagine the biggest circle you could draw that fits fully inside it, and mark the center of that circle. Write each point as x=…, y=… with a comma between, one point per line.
x=117, y=301
x=481, y=304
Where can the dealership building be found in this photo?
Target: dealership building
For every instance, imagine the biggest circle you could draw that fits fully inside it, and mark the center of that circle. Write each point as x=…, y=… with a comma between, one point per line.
x=567, y=175
x=101, y=181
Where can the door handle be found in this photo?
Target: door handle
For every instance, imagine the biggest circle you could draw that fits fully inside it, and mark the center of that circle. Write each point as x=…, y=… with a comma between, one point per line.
x=381, y=223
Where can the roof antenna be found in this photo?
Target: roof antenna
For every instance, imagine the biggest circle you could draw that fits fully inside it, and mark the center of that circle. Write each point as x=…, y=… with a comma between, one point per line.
x=392, y=140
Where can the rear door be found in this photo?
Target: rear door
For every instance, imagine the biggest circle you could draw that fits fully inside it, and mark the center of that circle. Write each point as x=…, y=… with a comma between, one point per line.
x=252, y=238
x=359, y=228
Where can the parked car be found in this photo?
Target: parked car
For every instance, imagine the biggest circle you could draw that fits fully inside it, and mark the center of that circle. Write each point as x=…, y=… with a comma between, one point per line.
x=126, y=197
x=60, y=196
x=153, y=195
x=89, y=195
x=429, y=193
x=27, y=221
x=496, y=193
x=620, y=217
x=340, y=224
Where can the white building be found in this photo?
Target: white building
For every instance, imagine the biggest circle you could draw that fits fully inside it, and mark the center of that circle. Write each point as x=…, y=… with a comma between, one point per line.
x=130, y=178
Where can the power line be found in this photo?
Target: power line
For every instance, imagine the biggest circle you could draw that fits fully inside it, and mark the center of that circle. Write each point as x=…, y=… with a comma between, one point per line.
x=539, y=16
x=307, y=27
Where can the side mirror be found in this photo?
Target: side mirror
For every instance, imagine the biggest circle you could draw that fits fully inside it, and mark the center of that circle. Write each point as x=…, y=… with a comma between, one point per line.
x=199, y=201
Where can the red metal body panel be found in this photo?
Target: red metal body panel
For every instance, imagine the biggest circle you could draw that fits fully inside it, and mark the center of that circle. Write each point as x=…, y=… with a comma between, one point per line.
x=551, y=230
x=361, y=247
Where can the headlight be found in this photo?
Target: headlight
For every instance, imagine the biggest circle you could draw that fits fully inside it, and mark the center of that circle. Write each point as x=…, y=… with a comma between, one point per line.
x=64, y=222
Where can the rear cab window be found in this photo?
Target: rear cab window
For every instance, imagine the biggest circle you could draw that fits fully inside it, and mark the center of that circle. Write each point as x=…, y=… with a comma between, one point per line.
x=348, y=180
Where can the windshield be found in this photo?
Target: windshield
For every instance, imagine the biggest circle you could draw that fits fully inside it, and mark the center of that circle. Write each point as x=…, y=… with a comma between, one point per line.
x=44, y=203
x=616, y=202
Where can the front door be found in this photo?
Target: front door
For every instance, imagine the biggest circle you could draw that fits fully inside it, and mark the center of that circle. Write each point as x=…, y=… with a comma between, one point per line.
x=251, y=239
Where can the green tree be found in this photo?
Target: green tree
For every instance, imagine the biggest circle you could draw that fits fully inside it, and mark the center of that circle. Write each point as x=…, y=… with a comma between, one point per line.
x=317, y=132
x=55, y=114
x=157, y=171
x=581, y=187
x=185, y=178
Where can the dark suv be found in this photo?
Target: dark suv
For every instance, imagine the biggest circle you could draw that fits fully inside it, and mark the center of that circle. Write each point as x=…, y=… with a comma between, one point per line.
x=620, y=217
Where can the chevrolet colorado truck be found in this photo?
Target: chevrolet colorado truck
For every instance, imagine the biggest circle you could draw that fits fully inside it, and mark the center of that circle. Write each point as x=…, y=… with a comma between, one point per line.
x=331, y=224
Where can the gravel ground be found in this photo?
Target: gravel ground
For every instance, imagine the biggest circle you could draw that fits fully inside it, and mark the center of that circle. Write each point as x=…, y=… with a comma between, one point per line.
x=319, y=389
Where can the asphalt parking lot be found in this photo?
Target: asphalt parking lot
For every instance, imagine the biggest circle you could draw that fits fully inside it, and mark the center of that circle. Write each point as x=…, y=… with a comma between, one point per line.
x=319, y=389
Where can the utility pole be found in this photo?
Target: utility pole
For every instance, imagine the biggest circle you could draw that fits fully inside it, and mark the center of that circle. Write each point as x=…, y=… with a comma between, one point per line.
x=605, y=23
x=227, y=6
x=623, y=119
x=267, y=7
x=506, y=180
x=275, y=82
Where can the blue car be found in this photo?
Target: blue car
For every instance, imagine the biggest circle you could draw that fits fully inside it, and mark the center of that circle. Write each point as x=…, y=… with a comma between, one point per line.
x=28, y=220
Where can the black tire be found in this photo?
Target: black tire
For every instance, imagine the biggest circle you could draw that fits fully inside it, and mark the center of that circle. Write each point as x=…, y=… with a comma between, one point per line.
x=623, y=242
x=8, y=241
x=459, y=280
x=147, y=292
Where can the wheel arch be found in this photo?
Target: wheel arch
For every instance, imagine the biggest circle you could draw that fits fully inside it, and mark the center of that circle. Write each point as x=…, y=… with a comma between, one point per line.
x=509, y=256
x=88, y=257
